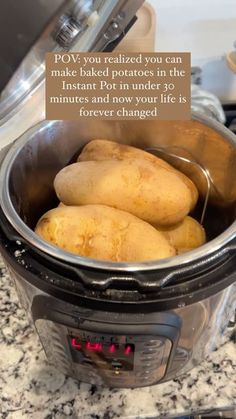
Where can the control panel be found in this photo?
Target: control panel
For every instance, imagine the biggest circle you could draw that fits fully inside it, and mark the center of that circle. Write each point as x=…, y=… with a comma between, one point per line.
x=120, y=358
x=119, y=350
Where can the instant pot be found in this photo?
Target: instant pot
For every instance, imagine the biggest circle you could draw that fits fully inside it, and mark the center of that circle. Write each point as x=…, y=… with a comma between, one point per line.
x=116, y=324
x=120, y=324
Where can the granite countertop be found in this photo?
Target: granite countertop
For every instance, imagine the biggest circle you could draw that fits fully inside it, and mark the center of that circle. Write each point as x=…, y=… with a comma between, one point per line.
x=31, y=388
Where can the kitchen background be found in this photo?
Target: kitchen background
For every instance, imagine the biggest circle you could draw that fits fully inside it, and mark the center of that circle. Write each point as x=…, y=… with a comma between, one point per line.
x=206, y=28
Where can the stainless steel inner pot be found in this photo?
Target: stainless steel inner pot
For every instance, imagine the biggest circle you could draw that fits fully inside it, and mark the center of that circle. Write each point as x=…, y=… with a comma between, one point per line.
x=28, y=171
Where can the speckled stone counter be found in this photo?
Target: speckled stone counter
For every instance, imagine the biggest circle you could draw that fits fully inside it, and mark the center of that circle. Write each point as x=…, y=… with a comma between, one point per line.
x=30, y=388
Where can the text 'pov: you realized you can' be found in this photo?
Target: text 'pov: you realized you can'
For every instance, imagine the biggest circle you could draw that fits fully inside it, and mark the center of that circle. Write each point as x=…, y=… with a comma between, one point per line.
x=118, y=86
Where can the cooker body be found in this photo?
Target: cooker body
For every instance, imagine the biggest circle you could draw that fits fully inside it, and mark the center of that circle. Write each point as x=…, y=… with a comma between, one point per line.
x=121, y=325
x=125, y=349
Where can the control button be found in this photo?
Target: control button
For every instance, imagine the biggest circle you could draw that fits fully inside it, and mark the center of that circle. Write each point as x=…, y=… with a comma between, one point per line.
x=147, y=358
x=147, y=372
x=151, y=367
x=148, y=365
x=152, y=353
x=149, y=351
x=154, y=343
x=156, y=362
x=117, y=365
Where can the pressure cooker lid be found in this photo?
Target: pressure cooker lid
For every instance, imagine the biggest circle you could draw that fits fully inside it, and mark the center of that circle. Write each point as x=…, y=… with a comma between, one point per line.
x=21, y=25
x=57, y=25
x=23, y=43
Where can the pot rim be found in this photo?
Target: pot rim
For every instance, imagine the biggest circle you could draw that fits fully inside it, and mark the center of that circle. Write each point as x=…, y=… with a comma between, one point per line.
x=31, y=237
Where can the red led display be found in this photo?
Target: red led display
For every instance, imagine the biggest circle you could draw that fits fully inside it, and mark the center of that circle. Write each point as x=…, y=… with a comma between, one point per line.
x=128, y=349
x=112, y=348
x=95, y=347
x=75, y=344
x=119, y=350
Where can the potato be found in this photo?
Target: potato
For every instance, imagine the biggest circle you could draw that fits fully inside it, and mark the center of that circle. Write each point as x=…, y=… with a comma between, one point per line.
x=186, y=235
x=107, y=150
x=150, y=192
x=104, y=233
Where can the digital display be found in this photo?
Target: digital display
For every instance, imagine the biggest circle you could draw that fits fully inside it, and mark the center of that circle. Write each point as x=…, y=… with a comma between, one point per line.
x=112, y=348
x=104, y=355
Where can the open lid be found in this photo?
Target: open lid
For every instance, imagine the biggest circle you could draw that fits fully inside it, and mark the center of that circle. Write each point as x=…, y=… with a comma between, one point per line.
x=20, y=27
x=62, y=25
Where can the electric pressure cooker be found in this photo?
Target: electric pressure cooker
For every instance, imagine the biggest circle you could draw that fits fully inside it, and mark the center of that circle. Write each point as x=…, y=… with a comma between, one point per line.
x=121, y=324
x=117, y=324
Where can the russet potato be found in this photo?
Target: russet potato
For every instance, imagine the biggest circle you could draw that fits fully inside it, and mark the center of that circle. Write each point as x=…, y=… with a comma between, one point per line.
x=104, y=233
x=107, y=150
x=186, y=235
x=148, y=191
